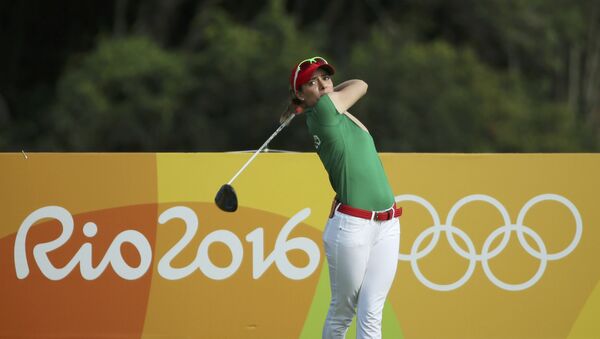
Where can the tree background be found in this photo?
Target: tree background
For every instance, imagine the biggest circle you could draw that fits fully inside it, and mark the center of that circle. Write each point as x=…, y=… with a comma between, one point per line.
x=210, y=75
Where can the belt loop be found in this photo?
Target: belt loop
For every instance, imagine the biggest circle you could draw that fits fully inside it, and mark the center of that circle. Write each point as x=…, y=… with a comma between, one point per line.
x=373, y=214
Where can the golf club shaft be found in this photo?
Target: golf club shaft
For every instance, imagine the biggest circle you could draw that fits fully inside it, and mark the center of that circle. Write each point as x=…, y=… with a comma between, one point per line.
x=282, y=126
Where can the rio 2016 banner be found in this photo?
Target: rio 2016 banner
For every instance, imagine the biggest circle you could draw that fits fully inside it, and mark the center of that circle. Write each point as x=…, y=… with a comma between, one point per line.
x=132, y=245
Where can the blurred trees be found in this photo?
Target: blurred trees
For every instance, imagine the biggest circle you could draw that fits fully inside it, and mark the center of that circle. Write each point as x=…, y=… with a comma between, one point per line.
x=444, y=99
x=241, y=72
x=126, y=94
x=191, y=75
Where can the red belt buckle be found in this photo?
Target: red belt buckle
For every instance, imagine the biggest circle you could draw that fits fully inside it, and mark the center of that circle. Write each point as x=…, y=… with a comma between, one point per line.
x=389, y=214
x=383, y=216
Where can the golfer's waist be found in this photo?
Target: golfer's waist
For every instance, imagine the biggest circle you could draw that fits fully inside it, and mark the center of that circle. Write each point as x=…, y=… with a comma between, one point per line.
x=382, y=215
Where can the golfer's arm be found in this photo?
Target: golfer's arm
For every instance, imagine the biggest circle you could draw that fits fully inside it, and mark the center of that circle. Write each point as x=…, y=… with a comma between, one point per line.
x=346, y=84
x=347, y=94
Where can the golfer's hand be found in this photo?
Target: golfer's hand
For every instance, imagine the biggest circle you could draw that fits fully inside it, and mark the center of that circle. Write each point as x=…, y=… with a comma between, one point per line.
x=293, y=109
x=284, y=117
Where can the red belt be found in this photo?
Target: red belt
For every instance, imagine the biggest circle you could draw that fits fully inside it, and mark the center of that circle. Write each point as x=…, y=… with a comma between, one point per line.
x=392, y=212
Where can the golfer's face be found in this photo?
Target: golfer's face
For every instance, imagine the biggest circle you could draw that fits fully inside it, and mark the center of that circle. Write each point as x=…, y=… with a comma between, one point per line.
x=319, y=84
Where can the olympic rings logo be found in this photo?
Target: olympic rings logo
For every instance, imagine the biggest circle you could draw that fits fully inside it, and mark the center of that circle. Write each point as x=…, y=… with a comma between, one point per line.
x=486, y=252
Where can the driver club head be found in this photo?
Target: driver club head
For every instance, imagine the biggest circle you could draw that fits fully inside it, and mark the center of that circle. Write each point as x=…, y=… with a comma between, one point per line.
x=226, y=199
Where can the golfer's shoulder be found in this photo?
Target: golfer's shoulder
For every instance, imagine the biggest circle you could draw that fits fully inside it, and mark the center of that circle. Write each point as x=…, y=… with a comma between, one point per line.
x=325, y=104
x=347, y=94
x=324, y=112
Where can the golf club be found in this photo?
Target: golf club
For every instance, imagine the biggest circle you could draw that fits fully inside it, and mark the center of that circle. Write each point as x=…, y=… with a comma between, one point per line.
x=226, y=198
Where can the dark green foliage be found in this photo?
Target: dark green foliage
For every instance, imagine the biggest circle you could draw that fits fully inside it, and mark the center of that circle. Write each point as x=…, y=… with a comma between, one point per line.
x=444, y=76
x=125, y=95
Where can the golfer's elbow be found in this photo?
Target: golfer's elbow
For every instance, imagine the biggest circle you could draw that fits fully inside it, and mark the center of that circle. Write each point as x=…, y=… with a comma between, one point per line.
x=363, y=87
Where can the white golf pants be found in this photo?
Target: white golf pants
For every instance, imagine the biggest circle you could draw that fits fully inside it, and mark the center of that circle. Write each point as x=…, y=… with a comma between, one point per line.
x=362, y=256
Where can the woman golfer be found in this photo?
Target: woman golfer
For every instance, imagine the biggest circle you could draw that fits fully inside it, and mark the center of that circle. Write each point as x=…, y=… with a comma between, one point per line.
x=362, y=234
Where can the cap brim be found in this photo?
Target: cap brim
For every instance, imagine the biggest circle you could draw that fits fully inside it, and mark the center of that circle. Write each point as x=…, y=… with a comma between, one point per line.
x=328, y=68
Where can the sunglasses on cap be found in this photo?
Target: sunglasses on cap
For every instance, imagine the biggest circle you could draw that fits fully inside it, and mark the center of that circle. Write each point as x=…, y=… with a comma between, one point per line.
x=308, y=64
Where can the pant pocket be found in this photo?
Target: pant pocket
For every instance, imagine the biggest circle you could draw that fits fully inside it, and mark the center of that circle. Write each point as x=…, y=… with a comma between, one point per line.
x=350, y=224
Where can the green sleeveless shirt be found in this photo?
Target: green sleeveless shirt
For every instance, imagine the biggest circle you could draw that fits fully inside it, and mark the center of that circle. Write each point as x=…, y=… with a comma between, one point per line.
x=348, y=154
